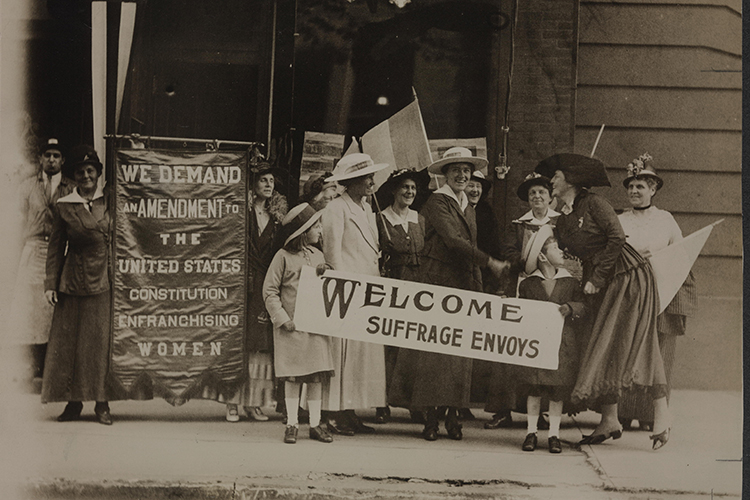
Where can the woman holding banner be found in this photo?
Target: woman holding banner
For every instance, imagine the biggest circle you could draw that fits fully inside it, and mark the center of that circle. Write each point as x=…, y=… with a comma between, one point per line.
x=649, y=229
x=450, y=258
x=77, y=285
x=622, y=350
x=350, y=244
x=535, y=190
x=267, y=209
x=401, y=232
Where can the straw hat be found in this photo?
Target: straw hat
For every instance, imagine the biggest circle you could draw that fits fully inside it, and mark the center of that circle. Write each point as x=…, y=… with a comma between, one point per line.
x=579, y=170
x=641, y=169
x=298, y=220
x=534, y=246
x=355, y=165
x=457, y=154
x=531, y=180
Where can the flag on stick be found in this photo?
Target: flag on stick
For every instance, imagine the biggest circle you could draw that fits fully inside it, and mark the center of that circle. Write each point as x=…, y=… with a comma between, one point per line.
x=672, y=264
x=400, y=141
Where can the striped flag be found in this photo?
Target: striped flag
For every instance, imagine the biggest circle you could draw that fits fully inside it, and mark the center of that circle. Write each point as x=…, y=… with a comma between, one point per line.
x=400, y=141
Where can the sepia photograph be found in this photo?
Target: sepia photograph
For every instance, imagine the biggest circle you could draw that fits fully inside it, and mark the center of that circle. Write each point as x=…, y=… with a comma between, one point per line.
x=336, y=249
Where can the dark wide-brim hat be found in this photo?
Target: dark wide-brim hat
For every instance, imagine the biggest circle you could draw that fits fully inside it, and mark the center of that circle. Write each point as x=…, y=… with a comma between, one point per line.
x=641, y=169
x=384, y=193
x=531, y=180
x=479, y=177
x=264, y=168
x=81, y=155
x=579, y=170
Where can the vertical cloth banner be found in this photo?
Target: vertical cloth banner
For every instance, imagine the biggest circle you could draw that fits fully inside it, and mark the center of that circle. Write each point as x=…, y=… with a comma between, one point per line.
x=400, y=141
x=180, y=273
x=672, y=264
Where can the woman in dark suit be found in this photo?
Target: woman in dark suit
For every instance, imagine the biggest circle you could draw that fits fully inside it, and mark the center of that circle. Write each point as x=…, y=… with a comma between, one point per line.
x=450, y=258
x=77, y=284
x=267, y=209
x=623, y=349
x=537, y=192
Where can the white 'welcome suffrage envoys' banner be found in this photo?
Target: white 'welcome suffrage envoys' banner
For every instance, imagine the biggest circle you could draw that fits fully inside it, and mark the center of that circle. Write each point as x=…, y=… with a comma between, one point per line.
x=429, y=318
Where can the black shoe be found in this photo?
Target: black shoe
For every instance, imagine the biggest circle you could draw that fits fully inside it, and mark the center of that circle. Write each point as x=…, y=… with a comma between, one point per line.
x=430, y=433
x=529, y=444
x=361, y=428
x=320, y=434
x=290, y=434
x=336, y=428
x=554, y=444
x=541, y=423
x=356, y=424
x=499, y=421
x=600, y=438
x=465, y=414
x=454, y=432
x=101, y=410
x=71, y=412
x=382, y=415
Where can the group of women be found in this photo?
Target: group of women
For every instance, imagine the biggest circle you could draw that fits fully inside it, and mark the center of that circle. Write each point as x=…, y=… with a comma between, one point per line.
x=455, y=241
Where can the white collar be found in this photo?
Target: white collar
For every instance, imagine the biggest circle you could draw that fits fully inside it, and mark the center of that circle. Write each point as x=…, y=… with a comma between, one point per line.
x=462, y=200
x=396, y=219
x=75, y=197
x=529, y=217
x=561, y=273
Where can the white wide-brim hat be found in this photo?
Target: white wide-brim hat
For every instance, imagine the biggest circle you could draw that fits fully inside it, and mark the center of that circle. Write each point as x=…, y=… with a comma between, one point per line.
x=534, y=247
x=355, y=165
x=457, y=154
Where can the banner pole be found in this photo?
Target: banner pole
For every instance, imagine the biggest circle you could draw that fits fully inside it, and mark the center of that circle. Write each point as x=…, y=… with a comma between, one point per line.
x=596, y=143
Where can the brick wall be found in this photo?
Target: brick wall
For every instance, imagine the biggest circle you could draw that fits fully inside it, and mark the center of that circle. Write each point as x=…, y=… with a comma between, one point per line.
x=542, y=99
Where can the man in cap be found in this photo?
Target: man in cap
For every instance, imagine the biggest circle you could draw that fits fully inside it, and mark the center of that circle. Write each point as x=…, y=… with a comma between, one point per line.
x=30, y=314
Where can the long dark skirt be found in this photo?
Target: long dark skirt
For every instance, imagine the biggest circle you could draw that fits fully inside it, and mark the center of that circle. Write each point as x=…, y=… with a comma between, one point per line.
x=78, y=352
x=639, y=405
x=623, y=349
x=426, y=379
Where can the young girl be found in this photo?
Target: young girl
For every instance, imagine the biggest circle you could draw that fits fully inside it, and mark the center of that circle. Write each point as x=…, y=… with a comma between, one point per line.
x=549, y=281
x=299, y=357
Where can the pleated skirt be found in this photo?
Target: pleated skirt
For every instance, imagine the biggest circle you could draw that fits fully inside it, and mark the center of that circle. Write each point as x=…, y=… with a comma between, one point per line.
x=623, y=348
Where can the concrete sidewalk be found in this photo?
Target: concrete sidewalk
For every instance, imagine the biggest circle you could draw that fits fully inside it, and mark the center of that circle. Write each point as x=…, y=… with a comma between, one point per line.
x=155, y=450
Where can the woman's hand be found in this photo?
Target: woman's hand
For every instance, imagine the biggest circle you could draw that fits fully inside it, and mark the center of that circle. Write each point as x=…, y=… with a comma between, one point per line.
x=565, y=310
x=498, y=267
x=321, y=268
x=590, y=289
x=288, y=326
x=51, y=297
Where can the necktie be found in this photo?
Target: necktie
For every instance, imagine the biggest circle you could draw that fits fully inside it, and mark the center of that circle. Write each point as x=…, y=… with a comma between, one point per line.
x=48, y=188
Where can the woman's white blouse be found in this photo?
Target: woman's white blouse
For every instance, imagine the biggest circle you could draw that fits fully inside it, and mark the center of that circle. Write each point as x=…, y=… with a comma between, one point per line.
x=651, y=229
